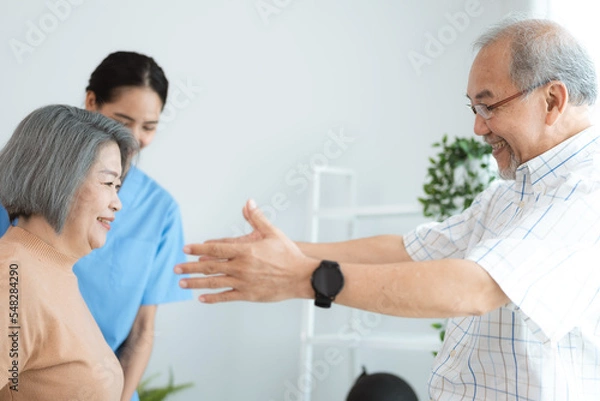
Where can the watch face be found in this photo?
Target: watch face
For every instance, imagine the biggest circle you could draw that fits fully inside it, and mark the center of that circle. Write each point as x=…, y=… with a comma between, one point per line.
x=328, y=279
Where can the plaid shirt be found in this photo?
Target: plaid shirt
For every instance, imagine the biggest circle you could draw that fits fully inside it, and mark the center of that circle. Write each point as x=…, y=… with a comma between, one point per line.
x=538, y=238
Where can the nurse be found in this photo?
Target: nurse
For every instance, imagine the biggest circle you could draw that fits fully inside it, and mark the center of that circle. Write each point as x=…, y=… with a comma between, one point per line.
x=123, y=282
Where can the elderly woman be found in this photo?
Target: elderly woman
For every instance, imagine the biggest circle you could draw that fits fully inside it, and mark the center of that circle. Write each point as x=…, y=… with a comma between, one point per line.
x=59, y=175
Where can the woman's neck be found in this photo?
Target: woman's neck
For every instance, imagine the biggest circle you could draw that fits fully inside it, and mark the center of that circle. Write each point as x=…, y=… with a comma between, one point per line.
x=39, y=226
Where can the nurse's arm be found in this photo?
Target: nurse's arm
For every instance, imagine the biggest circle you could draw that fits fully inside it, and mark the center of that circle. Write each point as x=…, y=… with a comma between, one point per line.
x=135, y=352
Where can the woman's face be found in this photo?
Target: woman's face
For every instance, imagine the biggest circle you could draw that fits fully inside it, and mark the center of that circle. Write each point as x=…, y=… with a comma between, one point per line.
x=95, y=203
x=137, y=108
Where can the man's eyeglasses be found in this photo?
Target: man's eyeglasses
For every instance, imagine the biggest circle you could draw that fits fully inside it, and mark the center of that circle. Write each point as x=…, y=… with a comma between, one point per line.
x=485, y=111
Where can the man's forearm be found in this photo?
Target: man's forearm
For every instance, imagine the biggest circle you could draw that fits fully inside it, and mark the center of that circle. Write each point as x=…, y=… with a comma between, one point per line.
x=372, y=250
x=440, y=288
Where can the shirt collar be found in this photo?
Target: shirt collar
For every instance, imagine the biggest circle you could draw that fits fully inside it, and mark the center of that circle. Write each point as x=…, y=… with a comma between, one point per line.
x=130, y=187
x=552, y=164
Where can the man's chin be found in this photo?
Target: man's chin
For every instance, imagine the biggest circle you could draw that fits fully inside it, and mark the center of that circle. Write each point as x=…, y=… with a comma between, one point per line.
x=509, y=172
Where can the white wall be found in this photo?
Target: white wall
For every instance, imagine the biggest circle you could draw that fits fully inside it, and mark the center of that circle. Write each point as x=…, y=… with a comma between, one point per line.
x=257, y=97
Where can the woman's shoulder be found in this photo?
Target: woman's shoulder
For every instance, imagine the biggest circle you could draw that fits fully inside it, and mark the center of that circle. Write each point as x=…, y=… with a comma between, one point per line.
x=10, y=248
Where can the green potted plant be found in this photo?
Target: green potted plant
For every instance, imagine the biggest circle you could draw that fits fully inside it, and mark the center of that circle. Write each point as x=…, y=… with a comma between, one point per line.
x=159, y=393
x=455, y=176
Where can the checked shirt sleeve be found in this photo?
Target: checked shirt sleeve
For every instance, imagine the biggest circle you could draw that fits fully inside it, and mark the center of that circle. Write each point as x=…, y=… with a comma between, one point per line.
x=549, y=265
x=452, y=237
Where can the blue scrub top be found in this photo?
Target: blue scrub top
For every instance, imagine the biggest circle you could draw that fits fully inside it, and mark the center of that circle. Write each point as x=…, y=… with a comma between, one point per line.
x=4, y=221
x=135, y=266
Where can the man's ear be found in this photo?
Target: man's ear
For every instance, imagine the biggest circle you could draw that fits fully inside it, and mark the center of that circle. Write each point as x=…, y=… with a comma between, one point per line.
x=90, y=101
x=557, y=98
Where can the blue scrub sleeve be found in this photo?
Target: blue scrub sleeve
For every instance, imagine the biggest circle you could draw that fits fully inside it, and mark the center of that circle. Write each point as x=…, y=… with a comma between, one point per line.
x=163, y=286
x=4, y=220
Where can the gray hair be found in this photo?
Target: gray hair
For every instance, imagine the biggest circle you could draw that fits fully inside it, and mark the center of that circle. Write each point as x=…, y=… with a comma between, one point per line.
x=544, y=51
x=49, y=156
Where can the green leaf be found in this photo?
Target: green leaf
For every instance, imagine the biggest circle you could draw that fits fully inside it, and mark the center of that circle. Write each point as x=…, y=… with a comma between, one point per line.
x=442, y=190
x=159, y=393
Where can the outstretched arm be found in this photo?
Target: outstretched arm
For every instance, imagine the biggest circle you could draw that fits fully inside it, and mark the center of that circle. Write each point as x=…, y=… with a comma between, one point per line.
x=438, y=288
x=274, y=268
x=378, y=249
x=371, y=250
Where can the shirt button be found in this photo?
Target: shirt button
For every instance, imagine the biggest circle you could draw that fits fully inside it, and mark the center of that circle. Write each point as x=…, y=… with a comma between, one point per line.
x=521, y=204
x=453, y=353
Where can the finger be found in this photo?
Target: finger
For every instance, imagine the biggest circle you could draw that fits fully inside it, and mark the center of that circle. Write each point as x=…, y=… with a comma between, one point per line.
x=235, y=240
x=232, y=240
x=224, y=296
x=220, y=241
x=257, y=219
x=216, y=250
x=245, y=210
x=209, y=282
x=207, y=258
x=207, y=267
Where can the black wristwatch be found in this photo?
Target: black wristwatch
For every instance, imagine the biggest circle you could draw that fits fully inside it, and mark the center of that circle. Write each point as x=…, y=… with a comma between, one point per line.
x=327, y=281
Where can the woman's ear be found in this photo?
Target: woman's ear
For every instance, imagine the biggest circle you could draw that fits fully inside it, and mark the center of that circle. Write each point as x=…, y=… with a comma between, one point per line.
x=557, y=98
x=90, y=101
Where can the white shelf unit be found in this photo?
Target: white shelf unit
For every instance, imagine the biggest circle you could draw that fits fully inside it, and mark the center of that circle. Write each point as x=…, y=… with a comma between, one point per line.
x=352, y=214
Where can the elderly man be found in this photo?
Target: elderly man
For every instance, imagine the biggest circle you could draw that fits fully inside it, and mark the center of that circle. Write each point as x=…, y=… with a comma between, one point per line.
x=517, y=273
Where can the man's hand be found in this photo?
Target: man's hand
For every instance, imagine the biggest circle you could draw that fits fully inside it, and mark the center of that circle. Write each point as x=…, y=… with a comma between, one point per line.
x=264, y=266
x=255, y=235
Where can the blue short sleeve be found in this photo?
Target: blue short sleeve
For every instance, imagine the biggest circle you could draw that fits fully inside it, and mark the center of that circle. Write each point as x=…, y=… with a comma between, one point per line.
x=4, y=220
x=163, y=284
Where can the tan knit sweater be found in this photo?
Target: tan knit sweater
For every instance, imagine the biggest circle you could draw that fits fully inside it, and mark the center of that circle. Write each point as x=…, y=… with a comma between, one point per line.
x=50, y=346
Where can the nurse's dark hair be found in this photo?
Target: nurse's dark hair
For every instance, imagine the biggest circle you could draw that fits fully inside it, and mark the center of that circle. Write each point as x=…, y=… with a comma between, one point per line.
x=48, y=157
x=126, y=69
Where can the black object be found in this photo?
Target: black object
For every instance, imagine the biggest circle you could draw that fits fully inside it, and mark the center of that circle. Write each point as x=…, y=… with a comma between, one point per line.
x=381, y=387
x=327, y=281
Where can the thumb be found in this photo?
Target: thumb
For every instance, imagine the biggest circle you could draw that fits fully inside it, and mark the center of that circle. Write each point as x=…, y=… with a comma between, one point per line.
x=257, y=219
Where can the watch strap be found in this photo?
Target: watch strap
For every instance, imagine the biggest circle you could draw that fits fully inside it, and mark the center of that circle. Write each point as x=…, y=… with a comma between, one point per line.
x=322, y=301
